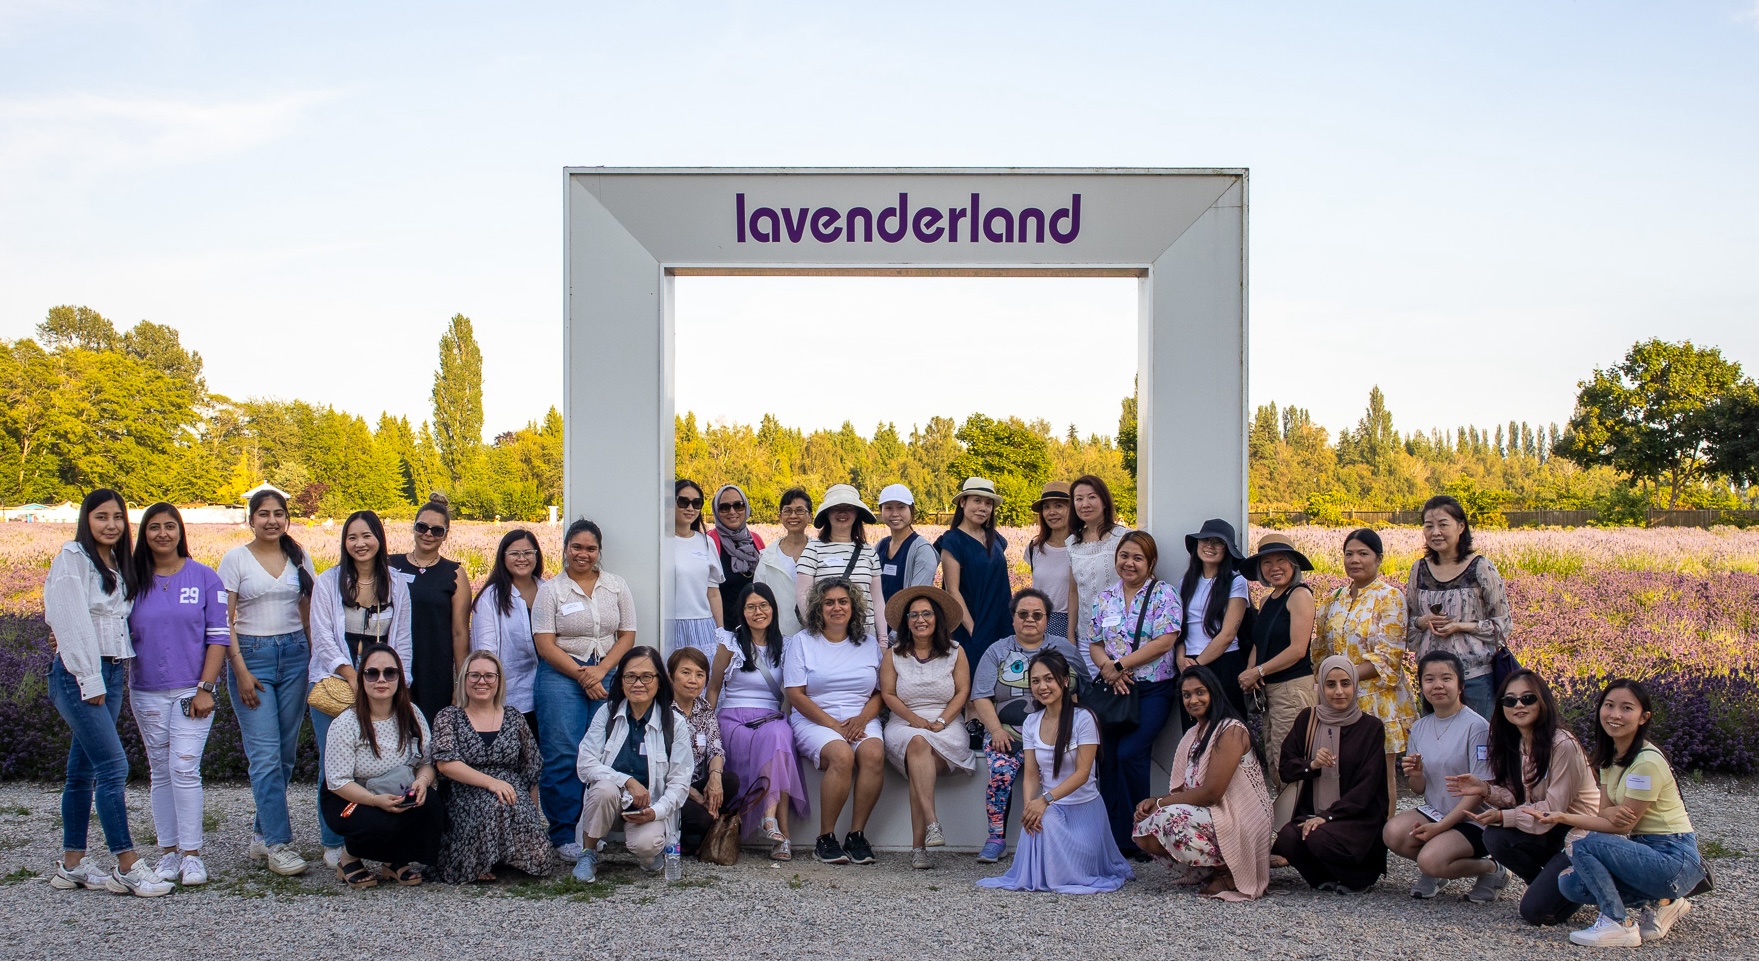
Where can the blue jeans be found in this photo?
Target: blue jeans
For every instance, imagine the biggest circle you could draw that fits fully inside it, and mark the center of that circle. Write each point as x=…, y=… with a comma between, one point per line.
x=1124, y=759
x=563, y=714
x=320, y=726
x=1480, y=695
x=96, y=763
x=270, y=731
x=1610, y=869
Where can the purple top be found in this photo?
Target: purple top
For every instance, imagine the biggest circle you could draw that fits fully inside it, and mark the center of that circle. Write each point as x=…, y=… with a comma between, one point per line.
x=175, y=619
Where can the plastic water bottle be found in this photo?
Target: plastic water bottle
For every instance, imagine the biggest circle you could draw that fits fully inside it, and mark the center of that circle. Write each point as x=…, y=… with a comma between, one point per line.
x=674, y=861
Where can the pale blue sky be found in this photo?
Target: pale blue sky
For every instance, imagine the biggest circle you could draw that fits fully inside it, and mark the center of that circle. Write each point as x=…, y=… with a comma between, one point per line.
x=1470, y=205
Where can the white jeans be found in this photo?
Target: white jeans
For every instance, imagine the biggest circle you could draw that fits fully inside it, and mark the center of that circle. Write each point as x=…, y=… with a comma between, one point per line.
x=174, y=746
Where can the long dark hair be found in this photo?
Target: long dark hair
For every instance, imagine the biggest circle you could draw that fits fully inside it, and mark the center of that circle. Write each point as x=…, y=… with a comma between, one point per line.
x=662, y=686
x=1044, y=529
x=1447, y=503
x=500, y=582
x=349, y=578
x=940, y=643
x=82, y=534
x=1215, y=610
x=1221, y=709
x=289, y=547
x=1108, y=517
x=142, y=561
x=772, y=635
x=989, y=525
x=1059, y=668
x=1505, y=737
x=1605, y=753
x=408, y=728
x=678, y=490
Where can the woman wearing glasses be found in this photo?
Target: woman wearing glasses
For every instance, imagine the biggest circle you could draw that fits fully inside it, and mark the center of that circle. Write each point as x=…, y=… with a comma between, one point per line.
x=696, y=575
x=439, y=593
x=779, y=562
x=737, y=545
x=500, y=623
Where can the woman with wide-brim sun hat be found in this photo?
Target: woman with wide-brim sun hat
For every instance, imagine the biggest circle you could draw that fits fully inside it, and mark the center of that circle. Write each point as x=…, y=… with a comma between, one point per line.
x=841, y=550
x=1215, y=597
x=1278, y=664
x=926, y=682
x=974, y=567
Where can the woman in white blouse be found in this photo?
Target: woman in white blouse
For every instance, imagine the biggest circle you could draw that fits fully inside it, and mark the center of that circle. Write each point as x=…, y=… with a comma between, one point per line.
x=1093, y=545
x=582, y=623
x=378, y=771
x=86, y=601
x=358, y=602
x=696, y=575
x=501, y=621
x=778, y=564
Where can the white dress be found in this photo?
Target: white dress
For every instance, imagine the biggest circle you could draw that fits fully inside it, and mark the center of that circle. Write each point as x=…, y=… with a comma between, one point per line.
x=1095, y=568
x=927, y=688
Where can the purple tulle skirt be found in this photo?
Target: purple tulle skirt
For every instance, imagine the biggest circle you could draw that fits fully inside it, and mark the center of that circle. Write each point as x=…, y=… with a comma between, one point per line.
x=764, y=751
x=1074, y=854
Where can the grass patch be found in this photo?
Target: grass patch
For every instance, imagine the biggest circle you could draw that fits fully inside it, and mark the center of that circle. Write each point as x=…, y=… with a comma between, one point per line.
x=544, y=889
x=18, y=876
x=1547, y=561
x=1714, y=849
x=264, y=884
x=16, y=809
x=211, y=820
x=796, y=882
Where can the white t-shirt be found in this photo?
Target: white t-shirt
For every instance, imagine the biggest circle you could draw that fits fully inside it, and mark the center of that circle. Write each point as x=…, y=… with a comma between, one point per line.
x=1085, y=732
x=1050, y=574
x=695, y=568
x=1196, y=638
x=741, y=688
x=839, y=677
x=1456, y=745
x=267, y=606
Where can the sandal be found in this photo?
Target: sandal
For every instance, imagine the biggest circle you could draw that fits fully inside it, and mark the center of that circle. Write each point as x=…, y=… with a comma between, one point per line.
x=782, y=850
x=772, y=830
x=355, y=875
x=402, y=874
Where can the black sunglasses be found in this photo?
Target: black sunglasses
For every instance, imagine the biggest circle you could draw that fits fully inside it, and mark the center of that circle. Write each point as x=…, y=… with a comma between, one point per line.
x=432, y=530
x=732, y=506
x=382, y=673
x=695, y=502
x=1523, y=700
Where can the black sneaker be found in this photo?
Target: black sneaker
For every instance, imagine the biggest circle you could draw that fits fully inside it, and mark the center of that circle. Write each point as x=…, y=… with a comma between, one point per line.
x=860, y=852
x=828, y=852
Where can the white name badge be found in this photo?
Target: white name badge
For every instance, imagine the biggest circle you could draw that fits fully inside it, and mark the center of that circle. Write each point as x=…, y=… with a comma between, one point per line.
x=891, y=570
x=1483, y=752
x=701, y=740
x=1638, y=782
x=222, y=597
x=642, y=748
x=572, y=607
x=381, y=617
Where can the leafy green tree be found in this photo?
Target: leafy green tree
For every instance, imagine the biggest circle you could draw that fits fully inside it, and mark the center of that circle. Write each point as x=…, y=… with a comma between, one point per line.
x=69, y=326
x=1734, y=435
x=1127, y=428
x=458, y=400
x=1012, y=455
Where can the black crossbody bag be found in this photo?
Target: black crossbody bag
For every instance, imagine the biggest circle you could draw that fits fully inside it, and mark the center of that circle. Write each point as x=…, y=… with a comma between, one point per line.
x=1107, y=705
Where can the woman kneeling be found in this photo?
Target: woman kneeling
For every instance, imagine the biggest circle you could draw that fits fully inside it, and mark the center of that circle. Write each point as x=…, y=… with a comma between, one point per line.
x=1340, y=765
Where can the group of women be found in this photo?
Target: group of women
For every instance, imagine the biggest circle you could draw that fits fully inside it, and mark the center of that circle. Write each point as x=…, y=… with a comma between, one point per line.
x=525, y=726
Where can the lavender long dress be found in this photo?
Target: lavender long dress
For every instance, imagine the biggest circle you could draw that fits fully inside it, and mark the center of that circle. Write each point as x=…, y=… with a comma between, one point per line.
x=766, y=750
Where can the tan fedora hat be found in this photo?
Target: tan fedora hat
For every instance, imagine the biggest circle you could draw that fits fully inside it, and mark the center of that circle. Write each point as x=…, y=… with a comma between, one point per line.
x=1053, y=491
x=978, y=487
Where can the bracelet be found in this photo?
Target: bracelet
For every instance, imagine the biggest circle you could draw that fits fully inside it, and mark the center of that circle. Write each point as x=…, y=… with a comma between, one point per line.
x=1159, y=803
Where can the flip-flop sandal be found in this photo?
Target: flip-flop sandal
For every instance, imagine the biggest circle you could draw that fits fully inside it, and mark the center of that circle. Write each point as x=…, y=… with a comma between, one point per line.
x=783, y=850
x=486, y=876
x=404, y=875
x=355, y=875
x=772, y=830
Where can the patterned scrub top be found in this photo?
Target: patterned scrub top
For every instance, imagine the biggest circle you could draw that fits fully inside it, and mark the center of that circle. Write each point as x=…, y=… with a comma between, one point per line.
x=1371, y=630
x=1113, y=625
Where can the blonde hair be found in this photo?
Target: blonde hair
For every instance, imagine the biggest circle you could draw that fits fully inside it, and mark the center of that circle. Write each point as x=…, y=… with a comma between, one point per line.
x=461, y=687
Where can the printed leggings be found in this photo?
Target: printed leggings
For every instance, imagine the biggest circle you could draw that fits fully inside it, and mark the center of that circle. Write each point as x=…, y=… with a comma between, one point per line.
x=1004, y=767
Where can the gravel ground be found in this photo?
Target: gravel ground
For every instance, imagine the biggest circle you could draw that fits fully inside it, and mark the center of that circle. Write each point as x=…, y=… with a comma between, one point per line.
x=802, y=910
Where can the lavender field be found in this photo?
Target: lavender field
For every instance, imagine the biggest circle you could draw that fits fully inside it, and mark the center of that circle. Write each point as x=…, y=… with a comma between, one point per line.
x=1677, y=607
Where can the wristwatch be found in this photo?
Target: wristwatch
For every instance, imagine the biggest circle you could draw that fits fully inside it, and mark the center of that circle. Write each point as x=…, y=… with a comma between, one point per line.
x=210, y=687
x=1048, y=799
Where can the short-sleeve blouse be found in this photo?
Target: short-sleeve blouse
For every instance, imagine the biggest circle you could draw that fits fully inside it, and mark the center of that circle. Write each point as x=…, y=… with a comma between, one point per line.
x=348, y=756
x=1094, y=568
x=1114, y=624
x=585, y=627
x=747, y=689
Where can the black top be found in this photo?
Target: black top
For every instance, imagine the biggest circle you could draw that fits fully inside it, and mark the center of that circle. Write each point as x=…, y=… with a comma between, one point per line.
x=732, y=584
x=631, y=760
x=1270, y=636
x=430, y=612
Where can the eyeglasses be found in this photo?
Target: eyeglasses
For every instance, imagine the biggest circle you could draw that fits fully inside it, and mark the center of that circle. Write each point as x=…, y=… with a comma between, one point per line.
x=920, y=615
x=382, y=673
x=521, y=555
x=796, y=511
x=690, y=502
x=477, y=677
x=731, y=506
x=431, y=530
x=1030, y=615
x=1523, y=700
x=642, y=679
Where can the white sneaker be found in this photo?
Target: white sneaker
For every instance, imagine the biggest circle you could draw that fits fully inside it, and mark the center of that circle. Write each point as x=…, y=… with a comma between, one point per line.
x=281, y=858
x=140, y=881
x=332, y=856
x=1607, y=933
x=1426, y=887
x=170, y=866
x=919, y=859
x=81, y=875
x=1654, y=923
x=193, y=871
x=569, y=852
x=1485, y=889
x=935, y=839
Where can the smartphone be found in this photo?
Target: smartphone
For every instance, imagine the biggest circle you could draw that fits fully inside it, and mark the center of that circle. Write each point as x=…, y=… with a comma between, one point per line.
x=408, y=799
x=183, y=705
x=1435, y=609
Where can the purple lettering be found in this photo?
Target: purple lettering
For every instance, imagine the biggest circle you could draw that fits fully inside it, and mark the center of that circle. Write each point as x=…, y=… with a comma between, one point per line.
x=924, y=225
x=739, y=215
x=1070, y=214
x=795, y=228
x=760, y=235
x=901, y=214
x=1004, y=215
x=954, y=215
x=824, y=225
x=974, y=214
x=866, y=217
x=1027, y=216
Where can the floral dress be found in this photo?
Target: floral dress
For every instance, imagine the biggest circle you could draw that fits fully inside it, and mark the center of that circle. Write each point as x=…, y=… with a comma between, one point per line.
x=1187, y=831
x=1370, y=629
x=481, y=831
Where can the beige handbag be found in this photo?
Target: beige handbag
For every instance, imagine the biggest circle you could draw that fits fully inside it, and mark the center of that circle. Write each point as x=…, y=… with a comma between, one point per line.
x=1291, y=792
x=332, y=695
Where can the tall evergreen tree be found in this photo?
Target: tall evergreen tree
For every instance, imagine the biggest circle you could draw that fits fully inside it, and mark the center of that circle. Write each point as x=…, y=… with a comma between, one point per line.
x=458, y=400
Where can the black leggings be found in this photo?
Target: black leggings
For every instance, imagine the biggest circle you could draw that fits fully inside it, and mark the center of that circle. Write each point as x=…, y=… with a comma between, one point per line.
x=1538, y=859
x=410, y=836
x=694, y=820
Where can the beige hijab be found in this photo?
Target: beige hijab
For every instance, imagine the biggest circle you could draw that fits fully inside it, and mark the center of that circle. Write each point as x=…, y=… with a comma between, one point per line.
x=1329, y=724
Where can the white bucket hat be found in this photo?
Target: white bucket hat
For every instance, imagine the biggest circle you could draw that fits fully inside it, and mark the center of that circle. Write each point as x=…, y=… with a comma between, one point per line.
x=978, y=487
x=843, y=495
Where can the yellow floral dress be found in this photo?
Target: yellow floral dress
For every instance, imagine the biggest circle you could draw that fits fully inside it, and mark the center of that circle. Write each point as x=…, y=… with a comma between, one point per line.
x=1371, y=629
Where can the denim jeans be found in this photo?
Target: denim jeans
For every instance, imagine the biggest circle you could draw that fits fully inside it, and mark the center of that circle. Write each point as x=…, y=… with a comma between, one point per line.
x=563, y=713
x=320, y=726
x=1480, y=695
x=96, y=763
x=1125, y=756
x=1611, y=869
x=270, y=731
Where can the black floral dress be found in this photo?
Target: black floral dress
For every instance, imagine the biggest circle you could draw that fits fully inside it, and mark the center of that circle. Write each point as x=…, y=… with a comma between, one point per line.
x=482, y=832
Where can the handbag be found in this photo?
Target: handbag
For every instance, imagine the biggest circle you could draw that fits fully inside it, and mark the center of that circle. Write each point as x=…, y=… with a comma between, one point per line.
x=1291, y=792
x=332, y=696
x=1502, y=664
x=721, y=844
x=1108, y=705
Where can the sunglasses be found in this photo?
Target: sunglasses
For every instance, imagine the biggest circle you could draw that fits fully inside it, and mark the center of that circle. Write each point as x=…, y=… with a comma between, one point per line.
x=382, y=673
x=1031, y=615
x=431, y=530
x=731, y=506
x=1524, y=700
x=690, y=502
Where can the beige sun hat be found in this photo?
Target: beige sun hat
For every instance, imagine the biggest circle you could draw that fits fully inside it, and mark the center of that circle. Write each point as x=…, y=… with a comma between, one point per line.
x=978, y=487
x=843, y=495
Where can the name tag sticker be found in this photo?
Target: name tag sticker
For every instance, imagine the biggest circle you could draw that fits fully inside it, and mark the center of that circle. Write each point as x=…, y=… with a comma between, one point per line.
x=572, y=607
x=1113, y=620
x=1483, y=752
x=701, y=739
x=1637, y=782
x=642, y=748
x=222, y=597
x=891, y=570
x=381, y=617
